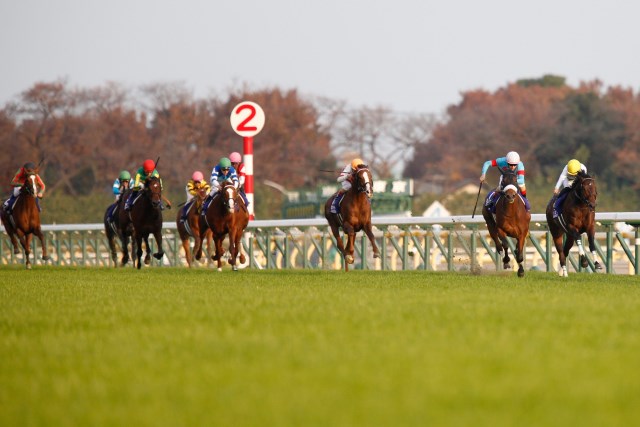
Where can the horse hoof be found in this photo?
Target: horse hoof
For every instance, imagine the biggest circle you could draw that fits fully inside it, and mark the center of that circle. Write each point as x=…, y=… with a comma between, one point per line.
x=376, y=255
x=46, y=258
x=28, y=266
x=242, y=259
x=16, y=251
x=598, y=266
x=521, y=272
x=219, y=269
x=234, y=268
x=158, y=255
x=506, y=266
x=349, y=259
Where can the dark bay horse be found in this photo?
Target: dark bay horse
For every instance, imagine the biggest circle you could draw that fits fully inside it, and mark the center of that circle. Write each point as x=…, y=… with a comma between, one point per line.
x=191, y=227
x=226, y=214
x=24, y=221
x=355, y=215
x=511, y=219
x=112, y=228
x=577, y=217
x=146, y=218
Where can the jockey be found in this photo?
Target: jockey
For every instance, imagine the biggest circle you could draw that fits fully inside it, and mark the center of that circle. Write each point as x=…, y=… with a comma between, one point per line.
x=221, y=172
x=236, y=162
x=147, y=170
x=566, y=180
x=511, y=162
x=19, y=180
x=346, y=179
x=195, y=184
x=122, y=183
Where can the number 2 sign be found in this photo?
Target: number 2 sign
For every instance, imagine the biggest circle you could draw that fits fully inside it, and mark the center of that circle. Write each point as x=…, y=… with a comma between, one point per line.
x=247, y=119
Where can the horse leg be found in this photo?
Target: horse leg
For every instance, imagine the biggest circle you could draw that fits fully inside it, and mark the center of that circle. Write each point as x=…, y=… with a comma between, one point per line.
x=187, y=251
x=568, y=244
x=350, y=232
x=369, y=232
x=40, y=235
x=209, y=238
x=158, y=236
x=520, y=255
x=505, y=246
x=591, y=232
x=27, y=250
x=147, y=254
x=138, y=239
x=111, y=238
x=583, y=258
x=233, y=249
x=219, y=251
x=336, y=233
x=14, y=241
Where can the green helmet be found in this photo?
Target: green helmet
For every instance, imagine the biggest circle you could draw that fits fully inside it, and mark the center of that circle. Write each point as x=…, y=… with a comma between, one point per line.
x=225, y=163
x=124, y=176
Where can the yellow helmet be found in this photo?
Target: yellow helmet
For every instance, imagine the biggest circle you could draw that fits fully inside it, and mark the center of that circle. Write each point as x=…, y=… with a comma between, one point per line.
x=356, y=162
x=573, y=167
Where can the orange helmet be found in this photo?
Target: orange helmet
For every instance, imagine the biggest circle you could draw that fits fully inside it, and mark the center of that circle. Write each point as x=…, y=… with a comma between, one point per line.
x=356, y=162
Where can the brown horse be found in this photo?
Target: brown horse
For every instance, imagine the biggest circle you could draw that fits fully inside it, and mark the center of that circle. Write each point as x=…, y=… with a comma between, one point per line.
x=226, y=214
x=511, y=219
x=355, y=215
x=24, y=221
x=191, y=227
x=577, y=217
x=146, y=218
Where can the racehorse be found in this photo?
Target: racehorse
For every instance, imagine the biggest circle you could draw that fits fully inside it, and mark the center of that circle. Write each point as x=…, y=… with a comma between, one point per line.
x=112, y=228
x=24, y=221
x=577, y=217
x=511, y=220
x=191, y=227
x=226, y=214
x=355, y=215
x=146, y=218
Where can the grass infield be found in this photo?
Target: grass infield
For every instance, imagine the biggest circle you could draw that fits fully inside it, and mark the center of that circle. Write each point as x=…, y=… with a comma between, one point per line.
x=178, y=347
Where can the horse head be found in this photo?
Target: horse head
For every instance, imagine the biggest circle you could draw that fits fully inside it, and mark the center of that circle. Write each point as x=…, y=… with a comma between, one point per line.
x=585, y=190
x=153, y=190
x=510, y=193
x=29, y=187
x=364, y=181
x=229, y=193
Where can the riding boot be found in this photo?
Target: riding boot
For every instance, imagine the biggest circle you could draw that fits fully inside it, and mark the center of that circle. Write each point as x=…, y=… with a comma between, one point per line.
x=9, y=203
x=489, y=203
x=205, y=204
x=128, y=203
x=558, y=204
x=185, y=211
x=526, y=203
x=336, y=202
x=244, y=197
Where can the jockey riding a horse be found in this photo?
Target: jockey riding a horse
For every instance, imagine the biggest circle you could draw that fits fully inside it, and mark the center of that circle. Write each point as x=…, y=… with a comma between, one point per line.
x=566, y=180
x=195, y=184
x=221, y=172
x=346, y=179
x=236, y=162
x=18, y=181
x=147, y=170
x=509, y=164
x=120, y=186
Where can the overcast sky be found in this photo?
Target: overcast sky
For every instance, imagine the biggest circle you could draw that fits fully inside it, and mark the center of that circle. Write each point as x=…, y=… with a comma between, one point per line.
x=411, y=56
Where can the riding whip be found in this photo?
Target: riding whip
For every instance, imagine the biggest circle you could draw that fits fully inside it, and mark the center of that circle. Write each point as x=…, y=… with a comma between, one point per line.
x=477, y=198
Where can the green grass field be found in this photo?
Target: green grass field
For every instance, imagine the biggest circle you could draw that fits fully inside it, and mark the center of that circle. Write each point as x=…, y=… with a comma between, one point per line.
x=175, y=347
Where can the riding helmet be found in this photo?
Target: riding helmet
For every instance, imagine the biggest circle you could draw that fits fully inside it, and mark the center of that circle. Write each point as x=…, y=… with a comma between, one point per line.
x=124, y=176
x=573, y=167
x=148, y=166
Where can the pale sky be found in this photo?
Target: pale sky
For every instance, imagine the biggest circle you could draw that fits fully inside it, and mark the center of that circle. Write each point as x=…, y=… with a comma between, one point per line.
x=411, y=56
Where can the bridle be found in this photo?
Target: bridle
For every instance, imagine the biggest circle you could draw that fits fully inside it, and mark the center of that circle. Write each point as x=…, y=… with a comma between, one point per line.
x=154, y=192
x=578, y=189
x=364, y=183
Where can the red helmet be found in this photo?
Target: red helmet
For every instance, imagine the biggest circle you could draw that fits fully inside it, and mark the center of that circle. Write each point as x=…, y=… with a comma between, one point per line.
x=148, y=166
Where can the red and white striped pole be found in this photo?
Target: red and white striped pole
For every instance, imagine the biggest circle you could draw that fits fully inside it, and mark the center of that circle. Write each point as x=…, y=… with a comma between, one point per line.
x=248, y=170
x=247, y=120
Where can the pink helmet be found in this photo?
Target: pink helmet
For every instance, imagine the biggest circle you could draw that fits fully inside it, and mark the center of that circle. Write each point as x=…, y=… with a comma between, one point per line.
x=197, y=176
x=235, y=157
